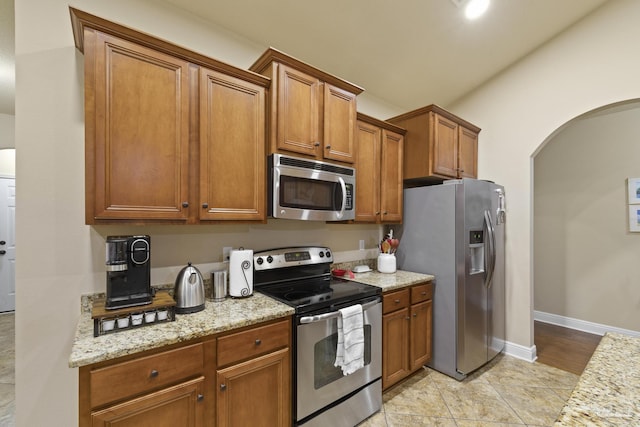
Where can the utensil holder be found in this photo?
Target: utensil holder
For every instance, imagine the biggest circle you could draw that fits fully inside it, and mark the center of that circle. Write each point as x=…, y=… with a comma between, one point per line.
x=387, y=263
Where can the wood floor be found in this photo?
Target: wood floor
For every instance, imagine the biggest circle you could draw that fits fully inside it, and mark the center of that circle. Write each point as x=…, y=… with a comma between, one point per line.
x=563, y=348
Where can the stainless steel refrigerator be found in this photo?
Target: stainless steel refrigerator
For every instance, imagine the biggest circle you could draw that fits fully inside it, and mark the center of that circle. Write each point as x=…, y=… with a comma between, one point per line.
x=455, y=231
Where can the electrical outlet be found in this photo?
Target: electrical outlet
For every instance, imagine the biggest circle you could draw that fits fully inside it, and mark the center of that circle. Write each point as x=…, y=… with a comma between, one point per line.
x=361, y=245
x=226, y=253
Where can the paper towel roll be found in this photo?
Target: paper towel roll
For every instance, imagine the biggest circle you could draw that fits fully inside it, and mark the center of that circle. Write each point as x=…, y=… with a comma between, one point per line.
x=241, y=272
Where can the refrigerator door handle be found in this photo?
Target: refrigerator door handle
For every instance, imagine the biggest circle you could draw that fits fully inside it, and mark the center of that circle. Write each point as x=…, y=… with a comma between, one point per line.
x=492, y=249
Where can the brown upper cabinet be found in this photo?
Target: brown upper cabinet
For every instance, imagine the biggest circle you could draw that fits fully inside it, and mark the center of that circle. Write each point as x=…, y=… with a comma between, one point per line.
x=438, y=145
x=379, y=171
x=170, y=135
x=312, y=112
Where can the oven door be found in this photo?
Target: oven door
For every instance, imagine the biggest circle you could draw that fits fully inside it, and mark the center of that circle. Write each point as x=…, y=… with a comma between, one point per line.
x=318, y=382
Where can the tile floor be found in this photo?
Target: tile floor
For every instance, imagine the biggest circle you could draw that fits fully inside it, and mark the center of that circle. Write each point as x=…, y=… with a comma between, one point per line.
x=505, y=393
x=7, y=370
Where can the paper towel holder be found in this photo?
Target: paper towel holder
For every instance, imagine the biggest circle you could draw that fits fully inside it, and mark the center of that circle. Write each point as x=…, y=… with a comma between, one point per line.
x=241, y=273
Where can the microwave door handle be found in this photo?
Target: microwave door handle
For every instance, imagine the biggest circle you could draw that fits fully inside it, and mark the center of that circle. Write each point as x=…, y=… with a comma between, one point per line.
x=344, y=196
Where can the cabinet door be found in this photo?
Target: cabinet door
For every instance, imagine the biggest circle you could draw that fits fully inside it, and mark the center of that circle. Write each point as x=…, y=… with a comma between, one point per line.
x=445, y=147
x=137, y=131
x=395, y=345
x=339, y=124
x=180, y=405
x=368, y=172
x=420, y=342
x=232, y=148
x=255, y=393
x=391, y=177
x=298, y=112
x=468, y=153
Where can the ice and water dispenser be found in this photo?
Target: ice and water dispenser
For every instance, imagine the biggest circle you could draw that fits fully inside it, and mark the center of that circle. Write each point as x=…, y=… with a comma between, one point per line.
x=476, y=251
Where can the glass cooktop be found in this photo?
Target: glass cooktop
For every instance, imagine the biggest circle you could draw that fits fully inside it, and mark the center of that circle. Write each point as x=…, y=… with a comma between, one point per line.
x=319, y=293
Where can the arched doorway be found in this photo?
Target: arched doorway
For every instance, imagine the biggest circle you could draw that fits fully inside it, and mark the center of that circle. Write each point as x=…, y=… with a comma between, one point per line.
x=584, y=256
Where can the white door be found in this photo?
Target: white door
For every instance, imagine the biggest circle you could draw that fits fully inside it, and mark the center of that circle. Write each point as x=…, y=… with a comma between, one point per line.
x=7, y=244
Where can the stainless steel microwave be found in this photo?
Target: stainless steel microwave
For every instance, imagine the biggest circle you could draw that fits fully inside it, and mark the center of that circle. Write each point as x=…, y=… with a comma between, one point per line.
x=310, y=190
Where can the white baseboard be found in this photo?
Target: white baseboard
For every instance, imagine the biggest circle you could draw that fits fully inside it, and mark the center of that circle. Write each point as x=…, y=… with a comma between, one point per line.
x=521, y=352
x=581, y=325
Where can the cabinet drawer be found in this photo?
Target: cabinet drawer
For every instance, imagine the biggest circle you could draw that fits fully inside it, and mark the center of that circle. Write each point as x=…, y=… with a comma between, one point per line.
x=247, y=344
x=421, y=293
x=144, y=374
x=395, y=300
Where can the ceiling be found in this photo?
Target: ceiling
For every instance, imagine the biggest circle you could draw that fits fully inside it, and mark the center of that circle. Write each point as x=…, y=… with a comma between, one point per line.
x=406, y=53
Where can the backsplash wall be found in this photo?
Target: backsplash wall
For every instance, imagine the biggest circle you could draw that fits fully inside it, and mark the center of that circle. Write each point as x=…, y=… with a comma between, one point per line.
x=172, y=247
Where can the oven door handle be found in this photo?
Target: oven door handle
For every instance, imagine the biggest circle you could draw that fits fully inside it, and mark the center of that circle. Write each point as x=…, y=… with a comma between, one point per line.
x=325, y=316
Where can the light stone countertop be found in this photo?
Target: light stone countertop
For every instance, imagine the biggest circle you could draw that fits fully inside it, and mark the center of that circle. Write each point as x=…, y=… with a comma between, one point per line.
x=215, y=318
x=608, y=391
x=390, y=281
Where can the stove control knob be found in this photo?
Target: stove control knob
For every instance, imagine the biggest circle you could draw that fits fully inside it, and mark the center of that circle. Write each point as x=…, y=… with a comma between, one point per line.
x=321, y=254
x=328, y=254
x=259, y=261
x=269, y=259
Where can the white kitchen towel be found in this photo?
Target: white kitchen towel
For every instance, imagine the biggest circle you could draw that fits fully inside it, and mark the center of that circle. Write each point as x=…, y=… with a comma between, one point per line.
x=350, y=349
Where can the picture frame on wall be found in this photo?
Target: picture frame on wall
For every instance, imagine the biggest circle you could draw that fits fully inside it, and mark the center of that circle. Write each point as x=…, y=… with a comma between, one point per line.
x=633, y=185
x=634, y=218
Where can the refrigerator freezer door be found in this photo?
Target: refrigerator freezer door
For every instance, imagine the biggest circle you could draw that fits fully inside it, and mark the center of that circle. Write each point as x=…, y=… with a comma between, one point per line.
x=427, y=245
x=472, y=201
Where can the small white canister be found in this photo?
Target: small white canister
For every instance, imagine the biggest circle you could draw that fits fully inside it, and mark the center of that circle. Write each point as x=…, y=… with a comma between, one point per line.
x=387, y=263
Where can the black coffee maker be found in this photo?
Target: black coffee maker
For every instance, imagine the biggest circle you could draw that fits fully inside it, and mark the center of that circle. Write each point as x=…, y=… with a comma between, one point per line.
x=128, y=271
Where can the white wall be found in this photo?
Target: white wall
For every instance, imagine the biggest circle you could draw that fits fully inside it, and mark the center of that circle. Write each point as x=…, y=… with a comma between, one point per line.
x=586, y=260
x=7, y=131
x=58, y=257
x=7, y=162
x=595, y=63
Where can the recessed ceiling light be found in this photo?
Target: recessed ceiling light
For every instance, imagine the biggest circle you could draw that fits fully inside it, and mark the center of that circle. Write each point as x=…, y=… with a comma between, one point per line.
x=475, y=8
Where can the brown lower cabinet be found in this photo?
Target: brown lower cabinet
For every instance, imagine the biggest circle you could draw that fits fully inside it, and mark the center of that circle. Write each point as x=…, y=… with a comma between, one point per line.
x=254, y=377
x=220, y=380
x=255, y=392
x=406, y=331
x=173, y=406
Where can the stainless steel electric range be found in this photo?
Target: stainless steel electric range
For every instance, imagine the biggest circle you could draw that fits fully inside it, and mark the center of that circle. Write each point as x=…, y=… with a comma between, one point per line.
x=322, y=395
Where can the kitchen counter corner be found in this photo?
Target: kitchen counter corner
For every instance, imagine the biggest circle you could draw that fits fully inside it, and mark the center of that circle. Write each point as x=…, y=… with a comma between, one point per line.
x=392, y=281
x=608, y=390
x=217, y=317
